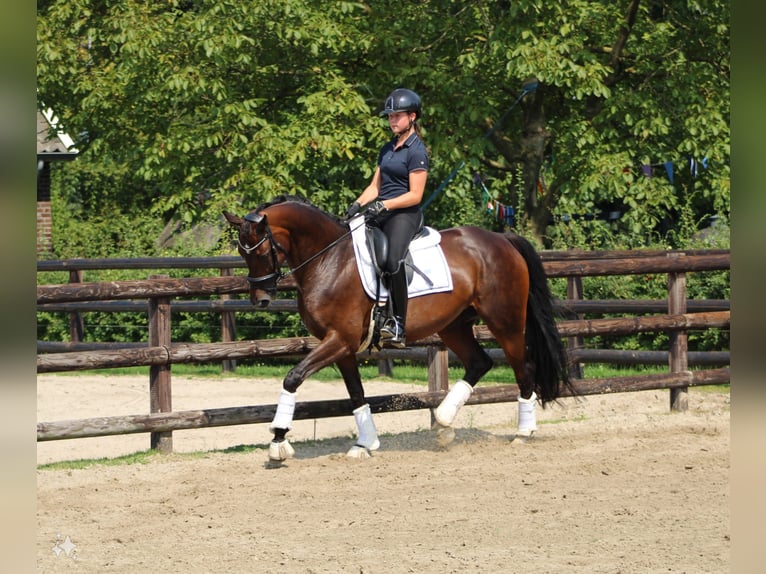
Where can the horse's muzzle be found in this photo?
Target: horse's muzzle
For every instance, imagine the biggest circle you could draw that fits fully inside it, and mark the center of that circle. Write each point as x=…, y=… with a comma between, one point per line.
x=263, y=289
x=260, y=298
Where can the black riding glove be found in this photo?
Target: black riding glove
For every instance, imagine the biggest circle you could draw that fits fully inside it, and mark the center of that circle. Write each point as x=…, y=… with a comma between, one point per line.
x=353, y=209
x=373, y=210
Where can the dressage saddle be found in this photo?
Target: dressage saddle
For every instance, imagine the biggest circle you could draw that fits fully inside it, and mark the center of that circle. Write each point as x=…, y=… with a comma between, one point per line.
x=377, y=243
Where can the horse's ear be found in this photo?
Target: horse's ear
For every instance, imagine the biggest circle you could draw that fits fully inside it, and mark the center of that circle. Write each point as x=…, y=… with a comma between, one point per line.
x=234, y=220
x=253, y=217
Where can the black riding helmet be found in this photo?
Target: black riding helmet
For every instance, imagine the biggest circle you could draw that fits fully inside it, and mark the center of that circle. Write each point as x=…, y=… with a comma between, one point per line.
x=402, y=100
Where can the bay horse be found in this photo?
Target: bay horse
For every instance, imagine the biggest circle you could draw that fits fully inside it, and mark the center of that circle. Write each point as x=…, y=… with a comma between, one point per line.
x=498, y=278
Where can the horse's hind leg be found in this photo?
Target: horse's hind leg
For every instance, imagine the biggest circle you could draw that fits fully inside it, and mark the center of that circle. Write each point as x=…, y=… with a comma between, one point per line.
x=510, y=336
x=458, y=336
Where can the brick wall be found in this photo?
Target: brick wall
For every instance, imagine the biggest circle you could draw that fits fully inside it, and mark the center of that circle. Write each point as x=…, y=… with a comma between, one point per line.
x=44, y=218
x=44, y=229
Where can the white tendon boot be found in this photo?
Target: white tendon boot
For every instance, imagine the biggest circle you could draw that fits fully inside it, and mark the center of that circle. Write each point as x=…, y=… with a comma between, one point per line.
x=446, y=412
x=368, y=434
x=527, y=416
x=283, y=419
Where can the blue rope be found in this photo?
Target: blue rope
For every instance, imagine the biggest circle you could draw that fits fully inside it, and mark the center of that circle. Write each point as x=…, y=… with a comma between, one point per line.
x=443, y=184
x=527, y=89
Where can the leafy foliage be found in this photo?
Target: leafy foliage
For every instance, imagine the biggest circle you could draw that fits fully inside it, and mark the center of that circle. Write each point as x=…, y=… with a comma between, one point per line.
x=184, y=108
x=203, y=103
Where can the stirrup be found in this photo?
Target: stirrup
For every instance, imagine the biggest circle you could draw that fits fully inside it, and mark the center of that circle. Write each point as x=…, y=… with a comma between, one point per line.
x=392, y=333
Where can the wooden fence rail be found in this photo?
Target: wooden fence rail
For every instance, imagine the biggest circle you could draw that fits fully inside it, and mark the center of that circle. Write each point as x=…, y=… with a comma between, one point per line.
x=601, y=306
x=170, y=421
x=419, y=354
x=213, y=352
x=194, y=286
x=235, y=261
x=161, y=353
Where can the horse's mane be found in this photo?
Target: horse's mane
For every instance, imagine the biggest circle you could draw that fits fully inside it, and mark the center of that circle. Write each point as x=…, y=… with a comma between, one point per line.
x=286, y=197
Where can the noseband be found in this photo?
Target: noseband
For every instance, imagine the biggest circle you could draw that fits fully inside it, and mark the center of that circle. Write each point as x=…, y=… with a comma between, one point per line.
x=269, y=281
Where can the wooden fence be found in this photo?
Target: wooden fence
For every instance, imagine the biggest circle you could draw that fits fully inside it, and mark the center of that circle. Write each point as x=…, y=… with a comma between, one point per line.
x=160, y=352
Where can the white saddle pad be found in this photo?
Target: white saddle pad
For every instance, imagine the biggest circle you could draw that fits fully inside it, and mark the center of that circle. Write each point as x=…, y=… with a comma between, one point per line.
x=427, y=256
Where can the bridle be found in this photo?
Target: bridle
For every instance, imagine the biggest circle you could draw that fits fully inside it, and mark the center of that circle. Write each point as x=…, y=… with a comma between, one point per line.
x=269, y=281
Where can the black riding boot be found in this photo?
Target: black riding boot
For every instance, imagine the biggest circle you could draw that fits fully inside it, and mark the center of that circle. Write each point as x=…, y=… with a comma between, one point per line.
x=392, y=333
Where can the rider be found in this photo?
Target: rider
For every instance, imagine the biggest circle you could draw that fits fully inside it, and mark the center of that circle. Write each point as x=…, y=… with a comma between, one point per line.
x=393, y=197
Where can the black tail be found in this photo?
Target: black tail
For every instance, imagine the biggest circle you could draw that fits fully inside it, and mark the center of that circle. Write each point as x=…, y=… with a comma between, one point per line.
x=545, y=350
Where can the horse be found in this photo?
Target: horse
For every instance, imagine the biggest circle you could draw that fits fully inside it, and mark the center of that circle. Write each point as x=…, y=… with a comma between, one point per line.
x=496, y=277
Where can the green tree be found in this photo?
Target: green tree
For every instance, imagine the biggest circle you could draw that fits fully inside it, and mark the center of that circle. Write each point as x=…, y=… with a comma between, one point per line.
x=186, y=108
x=211, y=104
x=614, y=86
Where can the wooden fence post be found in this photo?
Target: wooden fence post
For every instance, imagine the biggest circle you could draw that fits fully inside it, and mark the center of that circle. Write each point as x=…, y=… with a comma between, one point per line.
x=386, y=368
x=437, y=357
x=76, y=326
x=575, y=293
x=160, y=397
x=679, y=360
x=228, y=326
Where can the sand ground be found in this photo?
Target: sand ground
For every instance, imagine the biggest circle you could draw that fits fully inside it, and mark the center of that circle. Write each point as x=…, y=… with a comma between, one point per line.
x=611, y=483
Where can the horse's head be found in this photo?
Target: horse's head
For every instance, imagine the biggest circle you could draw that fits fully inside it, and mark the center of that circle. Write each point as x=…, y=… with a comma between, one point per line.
x=258, y=248
x=301, y=233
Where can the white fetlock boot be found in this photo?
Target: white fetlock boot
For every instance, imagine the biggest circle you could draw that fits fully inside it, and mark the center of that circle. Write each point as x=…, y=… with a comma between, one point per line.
x=446, y=412
x=527, y=416
x=283, y=419
x=368, y=434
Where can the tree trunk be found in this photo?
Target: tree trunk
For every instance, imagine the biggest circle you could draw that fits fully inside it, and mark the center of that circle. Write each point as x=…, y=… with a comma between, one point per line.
x=533, y=142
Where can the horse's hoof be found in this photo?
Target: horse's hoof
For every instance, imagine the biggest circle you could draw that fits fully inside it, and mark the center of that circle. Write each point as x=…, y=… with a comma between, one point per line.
x=444, y=435
x=524, y=436
x=359, y=452
x=444, y=415
x=280, y=451
x=374, y=446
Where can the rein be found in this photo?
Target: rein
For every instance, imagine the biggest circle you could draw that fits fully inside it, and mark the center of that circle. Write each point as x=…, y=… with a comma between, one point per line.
x=317, y=254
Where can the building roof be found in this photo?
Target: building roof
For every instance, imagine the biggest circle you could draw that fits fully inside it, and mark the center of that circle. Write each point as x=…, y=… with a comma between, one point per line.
x=52, y=147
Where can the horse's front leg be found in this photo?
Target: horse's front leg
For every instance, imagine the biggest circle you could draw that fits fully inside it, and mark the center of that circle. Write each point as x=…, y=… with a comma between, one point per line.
x=367, y=438
x=329, y=351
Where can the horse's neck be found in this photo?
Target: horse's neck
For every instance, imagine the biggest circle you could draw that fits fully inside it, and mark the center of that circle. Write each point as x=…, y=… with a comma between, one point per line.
x=309, y=232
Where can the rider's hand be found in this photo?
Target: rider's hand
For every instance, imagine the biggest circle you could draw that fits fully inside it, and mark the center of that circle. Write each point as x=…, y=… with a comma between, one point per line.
x=374, y=209
x=353, y=209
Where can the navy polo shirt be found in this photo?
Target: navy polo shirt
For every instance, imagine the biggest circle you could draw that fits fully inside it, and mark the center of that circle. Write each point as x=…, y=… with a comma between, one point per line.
x=396, y=165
